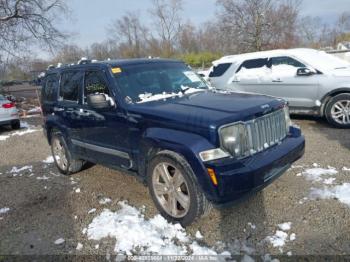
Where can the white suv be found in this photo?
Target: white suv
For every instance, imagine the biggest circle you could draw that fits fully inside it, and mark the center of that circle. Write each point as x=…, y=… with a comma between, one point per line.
x=8, y=113
x=312, y=81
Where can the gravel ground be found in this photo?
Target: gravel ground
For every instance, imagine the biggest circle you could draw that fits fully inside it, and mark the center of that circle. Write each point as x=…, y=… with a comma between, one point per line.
x=44, y=206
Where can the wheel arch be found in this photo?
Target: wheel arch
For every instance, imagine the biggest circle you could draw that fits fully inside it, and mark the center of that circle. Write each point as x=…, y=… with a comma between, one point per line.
x=187, y=145
x=327, y=97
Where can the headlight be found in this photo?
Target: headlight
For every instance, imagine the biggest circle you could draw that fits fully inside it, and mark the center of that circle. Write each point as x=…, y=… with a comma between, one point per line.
x=213, y=154
x=234, y=139
x=287, y=118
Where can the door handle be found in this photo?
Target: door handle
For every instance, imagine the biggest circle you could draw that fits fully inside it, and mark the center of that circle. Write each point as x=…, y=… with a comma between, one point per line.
x=58, y=109
x=277, y=80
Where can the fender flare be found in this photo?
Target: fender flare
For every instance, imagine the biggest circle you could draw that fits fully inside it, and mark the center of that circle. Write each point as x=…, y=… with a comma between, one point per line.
x=188, y=145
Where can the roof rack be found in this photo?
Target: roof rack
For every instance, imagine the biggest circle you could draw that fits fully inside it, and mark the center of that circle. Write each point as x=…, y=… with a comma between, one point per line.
x=84, y=61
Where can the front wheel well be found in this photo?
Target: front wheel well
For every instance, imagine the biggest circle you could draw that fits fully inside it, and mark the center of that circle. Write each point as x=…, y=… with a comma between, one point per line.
x=329, y=96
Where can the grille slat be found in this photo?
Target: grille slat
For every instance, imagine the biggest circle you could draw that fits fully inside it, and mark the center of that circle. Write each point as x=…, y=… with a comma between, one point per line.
x=264, y=132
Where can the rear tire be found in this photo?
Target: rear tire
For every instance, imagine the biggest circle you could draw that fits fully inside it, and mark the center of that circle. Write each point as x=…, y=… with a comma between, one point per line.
x=178, y=196
x=338, y=111
x=16, y=125
x=62, y=156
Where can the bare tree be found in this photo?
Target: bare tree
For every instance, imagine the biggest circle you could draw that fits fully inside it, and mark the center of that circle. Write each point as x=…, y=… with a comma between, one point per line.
x=26, y=22
x=130, y=34
x=258, y=24
x=69, y=54
x=167, y=21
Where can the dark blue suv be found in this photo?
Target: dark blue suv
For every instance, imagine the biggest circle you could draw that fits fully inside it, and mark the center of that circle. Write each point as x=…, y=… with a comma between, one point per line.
x=193, y=145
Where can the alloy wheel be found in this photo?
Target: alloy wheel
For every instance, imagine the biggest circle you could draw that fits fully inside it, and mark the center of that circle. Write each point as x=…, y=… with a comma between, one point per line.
x=341, y=112
x=59, y=153
x=171, y=190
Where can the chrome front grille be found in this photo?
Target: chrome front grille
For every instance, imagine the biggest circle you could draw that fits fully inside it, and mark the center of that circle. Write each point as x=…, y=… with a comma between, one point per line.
x=266, y=131
x=248, y=138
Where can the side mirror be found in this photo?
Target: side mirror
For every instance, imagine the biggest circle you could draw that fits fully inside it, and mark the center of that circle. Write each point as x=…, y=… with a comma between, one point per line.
x=304, y=71
x=98, y=101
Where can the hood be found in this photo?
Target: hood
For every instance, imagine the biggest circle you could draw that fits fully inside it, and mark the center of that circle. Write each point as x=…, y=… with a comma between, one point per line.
x=206, y=110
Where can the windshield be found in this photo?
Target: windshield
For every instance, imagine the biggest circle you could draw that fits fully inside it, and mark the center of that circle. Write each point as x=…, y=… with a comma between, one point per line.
x=323, y=61
x=153, y=81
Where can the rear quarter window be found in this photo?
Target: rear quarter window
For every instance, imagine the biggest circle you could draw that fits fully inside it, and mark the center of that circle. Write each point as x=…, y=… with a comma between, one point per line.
x=254, y=63
x=220, y=69
x=50, y=89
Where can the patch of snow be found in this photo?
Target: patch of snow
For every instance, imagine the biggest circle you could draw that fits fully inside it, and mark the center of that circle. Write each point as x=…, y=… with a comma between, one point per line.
x=43, y=178
x=340, y=192
x=315, y=165
x=4, y=210
x=292, y=237
x=97, y=246
x=315, y=174
x=92, y=211
x=84, y=230
x=199, y=235
x=49, y=160
x=279, y=239
x=18, y=170
x=59, y=241
x=329, y=181
x=79, y=246
x=289, y=253
x=105, y=201
x=77, y=190
x=285, y=226
x=127, y=224
x=345, y=169
x=4, y=137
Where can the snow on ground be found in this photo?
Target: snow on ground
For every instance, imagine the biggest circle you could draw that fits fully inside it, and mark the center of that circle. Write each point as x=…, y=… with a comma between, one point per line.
x=127, y=224
x=26, y=129
x=282, y=236
x=4, y=210
x=59, y=241
x=105, y=201
x=49, y=160
x=340, y=192
x=346, y=169
x=19, y=170
x=316, y=174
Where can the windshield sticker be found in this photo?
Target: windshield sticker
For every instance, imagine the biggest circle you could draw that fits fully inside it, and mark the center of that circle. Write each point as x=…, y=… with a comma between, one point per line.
x=116, y=70
x=192, y=76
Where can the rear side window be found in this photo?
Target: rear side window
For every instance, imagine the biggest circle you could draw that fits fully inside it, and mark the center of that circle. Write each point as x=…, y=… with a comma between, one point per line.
x=70, y=84
x=49, y=92
x=95, y=83
x=254, y=63
x=219, y=70
x=285, y=60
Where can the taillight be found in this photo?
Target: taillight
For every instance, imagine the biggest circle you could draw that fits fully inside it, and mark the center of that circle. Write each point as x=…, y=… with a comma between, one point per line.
x=8, y=105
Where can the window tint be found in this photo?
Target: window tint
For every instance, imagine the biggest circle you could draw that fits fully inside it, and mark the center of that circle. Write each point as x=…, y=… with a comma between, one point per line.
x=70, y=83
x=285, y=60
x=95, y=83
x=254, y=63
x=219, y=70
x=49, y=92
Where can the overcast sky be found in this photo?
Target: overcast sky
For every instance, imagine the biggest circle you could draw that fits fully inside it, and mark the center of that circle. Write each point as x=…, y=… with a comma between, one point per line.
x=91, y=17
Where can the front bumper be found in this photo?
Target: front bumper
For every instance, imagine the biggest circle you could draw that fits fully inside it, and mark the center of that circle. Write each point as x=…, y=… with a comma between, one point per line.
x=238, y=178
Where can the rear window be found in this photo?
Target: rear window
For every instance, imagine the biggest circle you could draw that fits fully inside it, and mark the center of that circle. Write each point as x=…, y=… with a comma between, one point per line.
x=219, y=70
x=49, y=92
x=254, y=63
x=2, y=97
x=70, y=85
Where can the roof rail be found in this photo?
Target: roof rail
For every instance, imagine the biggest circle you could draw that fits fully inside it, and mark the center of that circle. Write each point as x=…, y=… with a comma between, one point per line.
x=84, y=61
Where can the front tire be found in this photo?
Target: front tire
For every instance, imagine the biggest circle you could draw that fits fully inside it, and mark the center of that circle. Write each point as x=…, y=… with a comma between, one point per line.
x=338, y=111
x=62, y=157
x=174, y=189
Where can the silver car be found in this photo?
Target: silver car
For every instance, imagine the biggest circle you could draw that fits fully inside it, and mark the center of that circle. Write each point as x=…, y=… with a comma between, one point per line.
x=312, y=81
x=8, y=113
